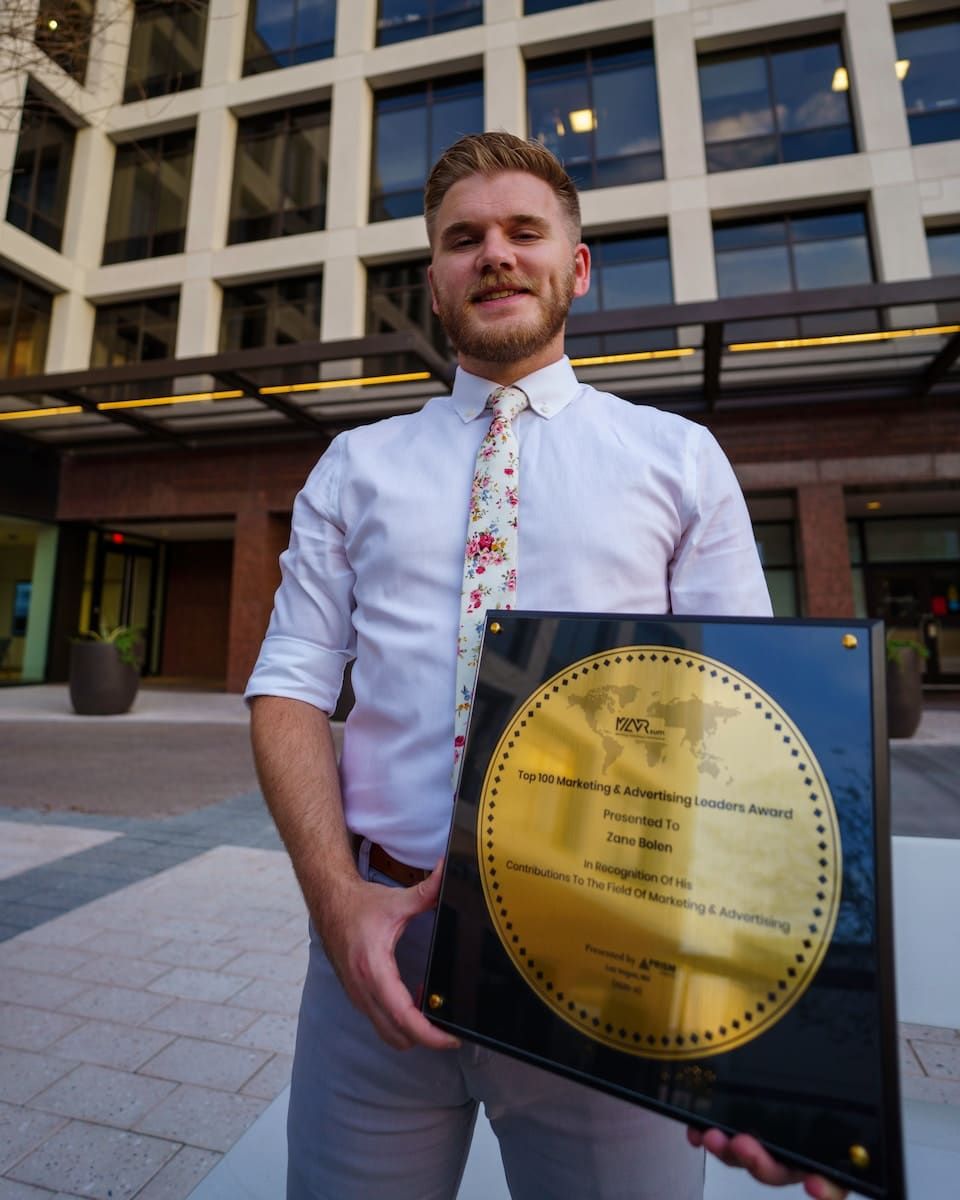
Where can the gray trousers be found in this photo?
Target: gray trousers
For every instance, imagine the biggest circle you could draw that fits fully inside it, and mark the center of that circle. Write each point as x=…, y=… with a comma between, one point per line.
x=368, y=1122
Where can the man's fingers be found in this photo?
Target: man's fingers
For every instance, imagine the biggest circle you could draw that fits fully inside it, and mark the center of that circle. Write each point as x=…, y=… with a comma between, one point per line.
x=746, y=1152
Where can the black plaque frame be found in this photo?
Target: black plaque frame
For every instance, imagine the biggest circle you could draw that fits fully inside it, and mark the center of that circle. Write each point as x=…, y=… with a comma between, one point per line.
x=823, y=1081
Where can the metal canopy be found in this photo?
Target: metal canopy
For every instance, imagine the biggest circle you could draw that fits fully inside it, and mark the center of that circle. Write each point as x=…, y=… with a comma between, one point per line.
x=884, y=344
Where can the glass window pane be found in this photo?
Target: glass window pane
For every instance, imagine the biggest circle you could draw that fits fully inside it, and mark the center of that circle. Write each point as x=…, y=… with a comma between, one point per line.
x=273, y=24
x=846, y=222
x=834, y=263
x=735, y=98
x=400, y=155
x=906, y=539
x=775, y=543
x=632, y=285
x=802, y=87
x=316, y=21
x=627, y=114
x=550, y=103
x=749, y=272
x=452, y=119
x=944, y=247
x=932, y=50
x=752, y=233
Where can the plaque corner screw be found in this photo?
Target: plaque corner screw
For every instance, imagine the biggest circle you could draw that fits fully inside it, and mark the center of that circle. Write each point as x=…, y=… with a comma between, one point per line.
x=859, y=1156
x=495, y=627
x=849, y=641
x=435, y=1001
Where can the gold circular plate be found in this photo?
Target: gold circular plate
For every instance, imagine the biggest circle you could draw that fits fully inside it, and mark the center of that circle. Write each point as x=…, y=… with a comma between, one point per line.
x=659, y=852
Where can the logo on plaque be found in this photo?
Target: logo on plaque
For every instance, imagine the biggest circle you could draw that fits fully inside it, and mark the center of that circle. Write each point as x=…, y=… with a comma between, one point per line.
x=691, y=818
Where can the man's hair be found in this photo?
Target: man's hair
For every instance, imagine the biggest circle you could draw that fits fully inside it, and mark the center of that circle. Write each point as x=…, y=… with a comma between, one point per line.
x=489, y=154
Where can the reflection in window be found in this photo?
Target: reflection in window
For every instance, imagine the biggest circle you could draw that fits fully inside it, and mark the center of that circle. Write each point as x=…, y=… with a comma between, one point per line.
x=928, y=64
x=539, y=6
x=944, y=247
x=283, y=33
x=41, y=173
x=626, y=271
x=398, y=299
x=284, y=312
x=148, y=201
x=776, y=546
x=63, y=33
x=412, y=126
x=24, y=326
x=135, y=331
x=597, y=111
x=781, y=103
x=166, y=47
x=401, y=20
x=280, y=174
x=795, y=253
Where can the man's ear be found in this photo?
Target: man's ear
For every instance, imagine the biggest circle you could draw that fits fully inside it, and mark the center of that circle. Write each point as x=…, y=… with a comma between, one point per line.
x=581, y=266
x=433, y=293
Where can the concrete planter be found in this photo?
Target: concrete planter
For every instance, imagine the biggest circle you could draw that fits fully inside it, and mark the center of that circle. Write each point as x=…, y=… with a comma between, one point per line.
x=904, y=693
x=101, y=683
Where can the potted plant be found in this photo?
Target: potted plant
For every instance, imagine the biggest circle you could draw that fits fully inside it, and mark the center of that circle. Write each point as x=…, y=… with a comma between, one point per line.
x=105, y=670
x=904, y=685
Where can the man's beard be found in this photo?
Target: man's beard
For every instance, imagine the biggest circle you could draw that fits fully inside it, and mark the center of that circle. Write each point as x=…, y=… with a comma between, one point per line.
x=506, y=342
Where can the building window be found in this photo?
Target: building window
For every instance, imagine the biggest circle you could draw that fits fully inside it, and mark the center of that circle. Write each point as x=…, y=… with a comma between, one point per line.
x=776, y=546
x=539, y=6
x=411, y=128
x=41, y=173
x=401, y=20
x=928, y=64
x=166, y=47
x=280, y=174
x=24, y=326
x=627, y=271
x=775, y=104
x=135, y=331
x=63, y=33
x=795, y=253
x=398, y=299
x=944, y=247
x=597, y=111
x=281, y=313
x=148, y=202
x=283, y=33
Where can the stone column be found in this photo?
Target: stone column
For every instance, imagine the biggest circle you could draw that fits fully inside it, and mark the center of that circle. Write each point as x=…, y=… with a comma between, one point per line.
x=877, y=95
x=504, y=90
x=259, y=540
x=681, y=121
x=824, y=551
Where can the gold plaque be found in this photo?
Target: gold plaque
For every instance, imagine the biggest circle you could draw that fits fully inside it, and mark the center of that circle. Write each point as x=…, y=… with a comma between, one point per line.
x=683, y=811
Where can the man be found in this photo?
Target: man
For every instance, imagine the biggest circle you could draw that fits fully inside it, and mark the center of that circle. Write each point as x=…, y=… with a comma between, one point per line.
x=621, y=508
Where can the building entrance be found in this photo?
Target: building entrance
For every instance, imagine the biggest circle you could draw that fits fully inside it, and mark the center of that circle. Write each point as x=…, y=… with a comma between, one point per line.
x=921, y=600
x=124, y=588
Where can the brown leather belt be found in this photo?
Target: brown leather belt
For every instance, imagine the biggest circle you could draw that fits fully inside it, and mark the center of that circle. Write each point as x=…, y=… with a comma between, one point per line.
x=399, y=872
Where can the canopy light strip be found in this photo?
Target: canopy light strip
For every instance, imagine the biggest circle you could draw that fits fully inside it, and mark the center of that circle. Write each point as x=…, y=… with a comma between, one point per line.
x=26, y=414
x=599, y=360
x=186, y=398
x=322, y=385
x=845, y=339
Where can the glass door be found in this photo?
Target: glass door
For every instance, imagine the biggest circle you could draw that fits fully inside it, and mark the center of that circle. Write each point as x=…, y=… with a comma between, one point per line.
x=125, y=588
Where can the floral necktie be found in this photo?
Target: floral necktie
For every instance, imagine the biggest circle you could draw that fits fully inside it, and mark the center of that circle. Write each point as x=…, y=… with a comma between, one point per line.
x=490, y=561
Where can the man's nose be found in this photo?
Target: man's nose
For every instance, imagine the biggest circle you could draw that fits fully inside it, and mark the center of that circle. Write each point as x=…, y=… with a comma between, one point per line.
x=497, y=253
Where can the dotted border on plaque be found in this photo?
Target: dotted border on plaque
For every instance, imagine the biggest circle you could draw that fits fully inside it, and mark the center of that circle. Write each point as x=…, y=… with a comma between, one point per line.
x=746, y=1024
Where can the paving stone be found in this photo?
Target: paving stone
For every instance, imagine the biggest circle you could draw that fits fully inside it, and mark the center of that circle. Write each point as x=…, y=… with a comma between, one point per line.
x=177, y=1180
x=120, y=942
x=25, y=1028
x=91, y=1160
x=22, y=1131
x=177, y=953
x=208, y=1064
x=203, y=1117
x=125, y=1005
x=191, y=984
x=36, y=990
x=265, y=996
x=189, y=929
x=54, y=960
x=23, y=1074
x=939, y=1059
x=272, y=1031
x=271, y=1079
x=284, y=940
x=195, y=1018
x=109, y=1097
x=278, y=968
x=62, y=931
x=909, y=1063
x=928, y=1033
x=933, y=1091
x=110, y=1044
x=125, y=972
x=11, y=1190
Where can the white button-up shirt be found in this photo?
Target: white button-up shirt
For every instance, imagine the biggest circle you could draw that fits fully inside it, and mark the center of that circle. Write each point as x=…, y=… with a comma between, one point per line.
x=623, y=509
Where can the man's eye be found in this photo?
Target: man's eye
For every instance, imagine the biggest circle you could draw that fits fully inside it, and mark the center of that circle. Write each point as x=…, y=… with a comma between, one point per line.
x=461, y=242
x=526, y=235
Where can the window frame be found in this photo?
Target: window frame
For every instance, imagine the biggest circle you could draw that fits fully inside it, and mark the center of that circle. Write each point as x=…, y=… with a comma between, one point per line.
x=24, y=296
x=153, y=153
x=139, y=306
x=171, y=80
x=43, y=118
x=294, y=54
x=430, y=20
x=915, y=119
x=274, y=286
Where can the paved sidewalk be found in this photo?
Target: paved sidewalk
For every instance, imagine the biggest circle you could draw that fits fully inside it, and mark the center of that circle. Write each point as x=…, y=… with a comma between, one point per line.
x=149, y=983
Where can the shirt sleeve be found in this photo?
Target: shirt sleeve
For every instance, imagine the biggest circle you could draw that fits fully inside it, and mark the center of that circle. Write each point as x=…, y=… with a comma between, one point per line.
x=310, y=638
x=716, y=570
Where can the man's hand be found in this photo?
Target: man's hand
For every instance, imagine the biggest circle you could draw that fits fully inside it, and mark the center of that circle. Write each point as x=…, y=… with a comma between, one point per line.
x=745, y=1151
x=360, y=928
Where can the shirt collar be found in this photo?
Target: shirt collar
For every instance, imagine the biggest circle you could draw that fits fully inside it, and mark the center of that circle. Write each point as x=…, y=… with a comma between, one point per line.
x=549, y=390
